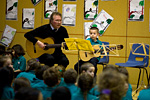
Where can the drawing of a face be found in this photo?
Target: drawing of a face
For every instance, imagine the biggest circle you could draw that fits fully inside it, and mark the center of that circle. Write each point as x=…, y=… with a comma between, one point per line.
x=56, y=22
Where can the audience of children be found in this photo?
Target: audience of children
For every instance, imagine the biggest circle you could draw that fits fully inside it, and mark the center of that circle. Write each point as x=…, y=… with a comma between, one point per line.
x=6, y=78
x=85, y=83
x=128, y=86
x=38, y=83
x=61, y=93
x=28, y=93
x=20, y=82
x=32, y=64
x=70, y=77
x=18, y=60
x=111, y=85
x=50, y=81
x=5, y=61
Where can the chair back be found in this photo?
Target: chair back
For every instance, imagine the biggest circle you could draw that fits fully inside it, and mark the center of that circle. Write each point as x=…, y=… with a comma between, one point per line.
x=138, y=50
x=104, y=59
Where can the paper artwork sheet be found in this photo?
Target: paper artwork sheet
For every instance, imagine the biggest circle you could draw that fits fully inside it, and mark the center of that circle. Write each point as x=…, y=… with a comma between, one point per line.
x=50, y=7
x=102, y=21
x=11, y=9
x=28, y=18
x=90, y=9
x=86, y=29
x=69, y=14
x=35, y=2
x=7, y=36
x=136, y=10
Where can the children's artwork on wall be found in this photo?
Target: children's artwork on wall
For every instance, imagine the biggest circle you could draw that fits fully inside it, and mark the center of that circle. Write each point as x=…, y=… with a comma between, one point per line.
x=7, y=36
x=69, y=14
x=86, y=29
x=28, y=18
x=102, y=21
x=90, y=9
x=136, y=10
x=35, y=2
x=11, y=9
x=50, y=7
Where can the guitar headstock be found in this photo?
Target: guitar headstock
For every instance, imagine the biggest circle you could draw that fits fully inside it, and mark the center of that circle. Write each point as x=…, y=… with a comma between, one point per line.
x=119, y=47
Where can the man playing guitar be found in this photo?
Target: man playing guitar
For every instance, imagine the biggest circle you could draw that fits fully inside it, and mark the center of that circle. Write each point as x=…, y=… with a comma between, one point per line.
x=55, y=31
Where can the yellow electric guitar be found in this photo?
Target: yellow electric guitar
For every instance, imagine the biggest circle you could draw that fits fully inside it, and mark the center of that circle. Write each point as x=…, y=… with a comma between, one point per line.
x=34, y=51
x=86, y=56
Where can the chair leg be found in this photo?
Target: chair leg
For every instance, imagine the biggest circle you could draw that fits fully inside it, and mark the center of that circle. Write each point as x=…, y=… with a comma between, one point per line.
x=138, y=80
x=147, y=76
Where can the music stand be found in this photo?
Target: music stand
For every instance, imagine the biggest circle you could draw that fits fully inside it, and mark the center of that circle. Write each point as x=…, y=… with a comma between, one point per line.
x=76, y=44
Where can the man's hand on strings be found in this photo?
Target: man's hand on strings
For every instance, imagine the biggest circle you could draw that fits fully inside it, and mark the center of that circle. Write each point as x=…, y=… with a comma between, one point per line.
x=41, y=44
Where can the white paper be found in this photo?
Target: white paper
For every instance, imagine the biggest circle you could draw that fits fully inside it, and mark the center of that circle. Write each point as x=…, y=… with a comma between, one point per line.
x=69, y=14
x=7, y=36
x=86, y=29
x=102, y=21
x=28, y=18
x=11, y=9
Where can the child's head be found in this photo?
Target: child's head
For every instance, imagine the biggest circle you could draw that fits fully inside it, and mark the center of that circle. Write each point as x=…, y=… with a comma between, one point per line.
x=51, y=77
x=2, y=49
x=111, y=85
x=94, y=33
x=61, y=93
x=124, y=71
x=61, y=70
x=28, y=93
x=5, y=61
x=88, y=67
x=20, y=82
x=18, y=50
x=85, y=82
x=40, y=70
x=32, y=64
x=110, y=67
x=70, y=76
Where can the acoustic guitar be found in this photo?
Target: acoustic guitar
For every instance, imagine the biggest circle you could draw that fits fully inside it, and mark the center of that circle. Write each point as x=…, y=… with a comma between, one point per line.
x=86, y=56
x=34, y=51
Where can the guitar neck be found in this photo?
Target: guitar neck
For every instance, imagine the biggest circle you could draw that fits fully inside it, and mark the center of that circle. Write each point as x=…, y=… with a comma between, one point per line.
x=54, y=45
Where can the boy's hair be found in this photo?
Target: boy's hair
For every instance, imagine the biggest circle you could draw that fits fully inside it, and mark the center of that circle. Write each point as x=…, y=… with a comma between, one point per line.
x=3, y=60
x=2, y=49
x=110, y=67
x=6, y=77
x=86, y=66
x=21, y=82
x=61, y=93
x=94, y=28
x=70, y=76
x=85, y=82
x=61, y=70
x=27, y=93
x=52, y=15
x=18, y=50
x=40, y=70
x=32, y=64
x=124, y=71
x=111, y=85
x=51, y=76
